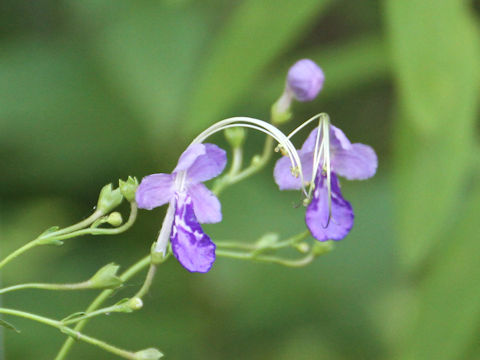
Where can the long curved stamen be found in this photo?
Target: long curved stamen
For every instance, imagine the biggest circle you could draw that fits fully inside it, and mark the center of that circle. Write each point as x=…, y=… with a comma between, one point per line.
x=321, y=153
x=262, y=126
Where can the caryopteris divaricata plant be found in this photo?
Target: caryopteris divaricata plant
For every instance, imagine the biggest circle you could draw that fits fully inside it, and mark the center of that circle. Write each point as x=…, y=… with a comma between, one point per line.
x=325, y=154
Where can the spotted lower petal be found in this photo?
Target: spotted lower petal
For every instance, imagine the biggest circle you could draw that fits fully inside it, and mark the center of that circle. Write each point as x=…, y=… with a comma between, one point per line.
x=191, y=246
x=317, y=216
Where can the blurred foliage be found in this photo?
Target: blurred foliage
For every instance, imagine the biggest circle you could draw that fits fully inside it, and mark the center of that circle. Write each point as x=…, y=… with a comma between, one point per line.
x=96, y=90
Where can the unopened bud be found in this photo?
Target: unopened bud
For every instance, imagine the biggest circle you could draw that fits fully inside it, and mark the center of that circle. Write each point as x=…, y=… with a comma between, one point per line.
x=305, y=80
x=109, y=199
x=148, y=354
x=115, y=219
x=235, y=136
x=106, y=278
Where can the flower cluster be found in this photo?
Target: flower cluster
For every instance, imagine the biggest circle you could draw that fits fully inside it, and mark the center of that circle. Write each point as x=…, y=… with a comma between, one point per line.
x=325, y=154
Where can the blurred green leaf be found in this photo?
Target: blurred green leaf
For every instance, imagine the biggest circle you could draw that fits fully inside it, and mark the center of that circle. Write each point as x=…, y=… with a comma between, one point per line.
x=149, y=51
x=257, y=32
x=437, y=78
x=449, y=311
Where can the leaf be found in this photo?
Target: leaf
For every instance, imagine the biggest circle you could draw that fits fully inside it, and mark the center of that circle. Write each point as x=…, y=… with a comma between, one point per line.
x=449, y=296
x=256, y=33
x=50, y=230
x=437, y=78
x=8, y=326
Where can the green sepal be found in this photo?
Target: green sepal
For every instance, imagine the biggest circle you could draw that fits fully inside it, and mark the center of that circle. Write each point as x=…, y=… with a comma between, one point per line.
x=73, y=316
x=8, y=326
x=109, y=199
x=128, y=188
x=106, y=278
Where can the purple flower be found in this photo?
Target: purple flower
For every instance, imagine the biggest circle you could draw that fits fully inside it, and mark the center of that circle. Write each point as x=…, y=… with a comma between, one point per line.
x=305, y=80
x=190, y=203
x=329, y=216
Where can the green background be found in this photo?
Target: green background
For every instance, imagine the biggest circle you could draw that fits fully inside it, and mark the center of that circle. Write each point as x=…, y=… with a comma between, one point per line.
x=92, y=91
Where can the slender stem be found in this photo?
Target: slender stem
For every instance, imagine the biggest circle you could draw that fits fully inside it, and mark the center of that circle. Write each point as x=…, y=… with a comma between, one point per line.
x=77, y=286
x=19, y=251
x=89, y=315
x=129, y=273
x=148, y=282
x=100, y=231
x=237, y=157
x=267, y=259
x=70, y=332
x=55, y=234
x=86, y=222
x=254, y=247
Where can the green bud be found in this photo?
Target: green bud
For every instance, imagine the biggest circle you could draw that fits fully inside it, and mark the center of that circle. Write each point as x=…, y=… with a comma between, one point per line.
x=128, y=188
x=115, y=219
x=148, y=354
x=256, y=160
x=267, y=240
x=235, y=136
x=322, y=247
x=302, y=247
x=109, y=199
x=128, y=305
x=106, y=278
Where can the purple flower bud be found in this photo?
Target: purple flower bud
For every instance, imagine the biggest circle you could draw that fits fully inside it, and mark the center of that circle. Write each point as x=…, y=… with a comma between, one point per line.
x=305, y=80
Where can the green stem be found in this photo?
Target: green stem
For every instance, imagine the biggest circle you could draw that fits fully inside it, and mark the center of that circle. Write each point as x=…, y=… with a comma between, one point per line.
x=267, y=259
x=99, y=300
x=256, y=165
x=89, y=315
x=70, y=332
x=41, y=238
x=100, y=231
x=19, y=251
x=77, y=286
x=147, y=283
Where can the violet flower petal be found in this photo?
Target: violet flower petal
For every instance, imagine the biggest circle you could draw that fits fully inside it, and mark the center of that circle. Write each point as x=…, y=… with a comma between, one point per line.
x=154, y=190
x=208, y=165
x=305, y=80
x=338, y=140
x=358, y=163
x=341, y=221
x=190, y=245
x=189, y=156
x=283, y=171
x=205, y=204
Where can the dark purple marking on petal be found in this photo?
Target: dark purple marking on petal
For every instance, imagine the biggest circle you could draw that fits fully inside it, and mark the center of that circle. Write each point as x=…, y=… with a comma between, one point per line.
x=154, y=190
x=191, y=246
x=316, y=218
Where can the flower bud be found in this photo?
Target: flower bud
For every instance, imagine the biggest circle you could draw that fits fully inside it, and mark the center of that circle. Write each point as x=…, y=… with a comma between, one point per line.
x=235, y=136
x=148, y=354
x=106, y=278
x=109, y=199
x=305, y=80
x=115, y=219
x=128, y=188
x=267, y=240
